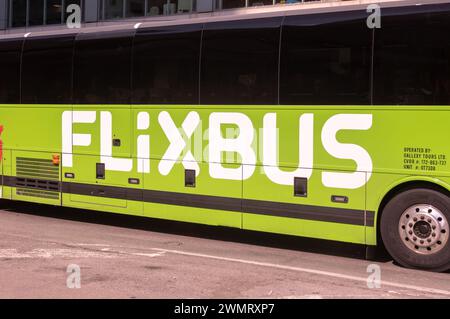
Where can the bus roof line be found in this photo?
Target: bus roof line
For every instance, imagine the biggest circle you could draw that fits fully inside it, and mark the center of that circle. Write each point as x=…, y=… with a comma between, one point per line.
x=218, y=16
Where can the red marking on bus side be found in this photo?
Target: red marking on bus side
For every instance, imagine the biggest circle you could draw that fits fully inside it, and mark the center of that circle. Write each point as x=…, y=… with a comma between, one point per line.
x=1, y=144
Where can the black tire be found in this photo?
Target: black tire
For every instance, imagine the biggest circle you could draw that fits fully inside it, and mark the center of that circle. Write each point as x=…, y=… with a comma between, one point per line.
x=389, y=226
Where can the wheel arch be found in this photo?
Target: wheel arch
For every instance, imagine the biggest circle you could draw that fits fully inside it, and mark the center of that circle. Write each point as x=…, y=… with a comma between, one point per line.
x=404, y=185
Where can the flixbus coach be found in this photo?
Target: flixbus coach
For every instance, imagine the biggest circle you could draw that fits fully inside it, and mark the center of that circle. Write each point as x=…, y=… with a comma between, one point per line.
x=303, y=120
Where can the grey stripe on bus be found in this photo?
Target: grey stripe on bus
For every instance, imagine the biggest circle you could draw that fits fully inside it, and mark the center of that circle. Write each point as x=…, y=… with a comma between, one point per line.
x=251, y=206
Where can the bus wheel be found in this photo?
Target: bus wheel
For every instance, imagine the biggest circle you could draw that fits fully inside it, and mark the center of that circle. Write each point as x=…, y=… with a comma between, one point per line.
x=415, y=230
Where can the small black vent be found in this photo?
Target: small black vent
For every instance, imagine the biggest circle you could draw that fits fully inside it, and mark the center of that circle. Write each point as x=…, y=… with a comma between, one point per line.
x=37, y=193
x=37, y=184
x=37, y=177
x=37, y=168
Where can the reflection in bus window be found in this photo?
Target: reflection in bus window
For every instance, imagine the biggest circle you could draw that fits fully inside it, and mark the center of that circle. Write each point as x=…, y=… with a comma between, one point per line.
x=229, y=4
x=412, y=60
x=113, y=9
x=135, y=8
x=240, y=62
x=102, y=67
x=325, y=59
x=19, y=13
x=256, y=3
x=166, y=65
x=10, y=70
x=47, y=70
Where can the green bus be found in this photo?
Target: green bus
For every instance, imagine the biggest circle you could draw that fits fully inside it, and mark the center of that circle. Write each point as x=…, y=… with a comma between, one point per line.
x=305, y=121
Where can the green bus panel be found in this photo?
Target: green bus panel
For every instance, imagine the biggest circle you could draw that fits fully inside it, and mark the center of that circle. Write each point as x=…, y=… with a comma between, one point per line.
x=224, y=196
x=120, y=123
x=32, y=127
x=306, y=228
x=350, y=157
x=6, y=192
x=85, y=190
x=313, y=215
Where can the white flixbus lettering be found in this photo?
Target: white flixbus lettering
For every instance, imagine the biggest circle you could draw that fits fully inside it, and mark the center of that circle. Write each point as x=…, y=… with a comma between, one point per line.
x=177, y=143
x=111, y=163
x=143, y=143
x=353, y=152
x=270, y=149
x=69, y=139
x=241, y=145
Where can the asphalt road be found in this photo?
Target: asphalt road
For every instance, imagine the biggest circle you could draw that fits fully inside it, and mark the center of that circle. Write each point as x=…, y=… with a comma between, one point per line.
x=132, y=257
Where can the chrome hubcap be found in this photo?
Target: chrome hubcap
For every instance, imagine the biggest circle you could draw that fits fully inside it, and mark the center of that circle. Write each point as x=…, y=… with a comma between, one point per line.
x=423, y=229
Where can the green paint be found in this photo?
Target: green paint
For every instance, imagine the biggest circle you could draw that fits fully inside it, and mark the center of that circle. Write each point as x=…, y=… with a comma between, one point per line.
x=35, y=131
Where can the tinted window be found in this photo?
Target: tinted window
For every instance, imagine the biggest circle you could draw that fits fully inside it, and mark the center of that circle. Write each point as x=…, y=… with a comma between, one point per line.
x=229, y=4
x=240, y=62
x=257, y=3
x=102, y=67
x=412, y=60
x=47, y=70
x=19, y=13
x=156, y=7
x=113, y=9
x=135, y=8
x=54, y=10
x=326, y=59
x=166, y=65
x=36, y=12
x=10, y=71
